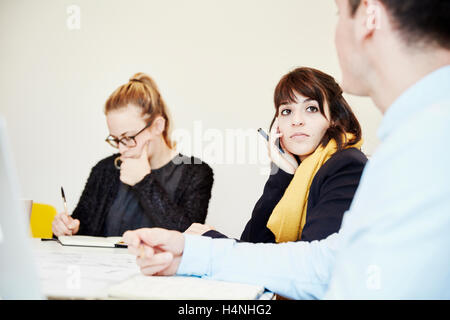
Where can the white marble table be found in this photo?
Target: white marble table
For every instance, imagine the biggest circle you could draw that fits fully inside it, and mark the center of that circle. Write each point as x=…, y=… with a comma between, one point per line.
x=68, y=272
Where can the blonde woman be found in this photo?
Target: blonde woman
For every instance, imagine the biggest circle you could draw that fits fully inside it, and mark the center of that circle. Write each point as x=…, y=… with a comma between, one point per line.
x=147, y=183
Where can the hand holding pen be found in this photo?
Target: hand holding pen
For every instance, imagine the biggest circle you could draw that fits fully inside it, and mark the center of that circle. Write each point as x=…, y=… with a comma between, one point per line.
x=64, y=224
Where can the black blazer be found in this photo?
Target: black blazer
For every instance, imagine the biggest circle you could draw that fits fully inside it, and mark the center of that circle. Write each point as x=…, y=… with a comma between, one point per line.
x=330, y=195
x=191, y=203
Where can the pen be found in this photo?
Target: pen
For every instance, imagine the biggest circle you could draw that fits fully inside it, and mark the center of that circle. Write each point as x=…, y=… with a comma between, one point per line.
x=65, y=202
x=65, y=207
x=142, y=251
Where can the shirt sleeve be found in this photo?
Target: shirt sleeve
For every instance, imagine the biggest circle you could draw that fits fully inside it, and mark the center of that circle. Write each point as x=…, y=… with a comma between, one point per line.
x=298, y=270
x=86, y=207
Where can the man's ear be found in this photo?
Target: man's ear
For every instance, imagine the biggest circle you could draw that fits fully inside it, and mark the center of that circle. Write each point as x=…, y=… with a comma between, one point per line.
x=159, y=124
x=368, y=19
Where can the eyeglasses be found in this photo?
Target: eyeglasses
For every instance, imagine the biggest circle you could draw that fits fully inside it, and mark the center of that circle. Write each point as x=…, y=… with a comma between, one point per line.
x=127, y=141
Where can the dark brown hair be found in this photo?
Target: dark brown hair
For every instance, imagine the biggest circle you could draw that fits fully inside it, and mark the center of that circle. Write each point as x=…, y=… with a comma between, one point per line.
x=321, y=87
x=418, y=21
x=142, y=92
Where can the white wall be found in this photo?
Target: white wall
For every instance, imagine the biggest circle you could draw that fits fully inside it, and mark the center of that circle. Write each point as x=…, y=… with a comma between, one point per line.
x=216, y=63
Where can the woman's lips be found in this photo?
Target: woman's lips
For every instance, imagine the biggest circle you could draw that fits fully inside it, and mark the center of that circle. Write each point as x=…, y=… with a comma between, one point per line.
x=299, y=136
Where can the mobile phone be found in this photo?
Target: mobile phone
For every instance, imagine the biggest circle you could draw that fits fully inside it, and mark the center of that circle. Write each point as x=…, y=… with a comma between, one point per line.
x=265, y=136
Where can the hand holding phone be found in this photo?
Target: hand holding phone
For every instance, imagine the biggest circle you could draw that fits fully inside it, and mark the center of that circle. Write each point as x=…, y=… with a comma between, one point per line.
x=264, y=134
x=282, y=159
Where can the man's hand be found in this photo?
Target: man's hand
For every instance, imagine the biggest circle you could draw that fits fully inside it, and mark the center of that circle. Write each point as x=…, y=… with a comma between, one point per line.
x=158, y=251
x=133, y=170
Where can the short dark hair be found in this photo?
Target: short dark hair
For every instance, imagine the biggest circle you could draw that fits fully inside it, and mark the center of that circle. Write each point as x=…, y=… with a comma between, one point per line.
x=418, y=21
x=321, y=87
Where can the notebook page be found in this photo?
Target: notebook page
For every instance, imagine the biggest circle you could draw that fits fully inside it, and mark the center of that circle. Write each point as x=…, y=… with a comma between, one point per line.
x=182, y=288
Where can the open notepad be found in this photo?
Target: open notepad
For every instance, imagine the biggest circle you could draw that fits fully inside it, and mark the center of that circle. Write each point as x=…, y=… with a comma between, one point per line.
x=182, y=288
x=89, y=241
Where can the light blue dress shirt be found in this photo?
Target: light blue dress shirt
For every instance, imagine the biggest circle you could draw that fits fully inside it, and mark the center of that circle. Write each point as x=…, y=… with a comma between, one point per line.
x=394, y=242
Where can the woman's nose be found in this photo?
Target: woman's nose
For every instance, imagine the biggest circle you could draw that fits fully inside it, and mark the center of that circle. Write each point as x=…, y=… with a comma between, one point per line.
x=297, y=119
x=122, y=148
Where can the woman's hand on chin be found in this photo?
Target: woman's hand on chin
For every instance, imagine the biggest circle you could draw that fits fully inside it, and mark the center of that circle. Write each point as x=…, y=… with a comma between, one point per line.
x=132, y=171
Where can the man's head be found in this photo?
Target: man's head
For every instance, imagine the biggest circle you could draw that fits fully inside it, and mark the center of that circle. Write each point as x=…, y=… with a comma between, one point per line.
x=417, y=22
x=370, y=32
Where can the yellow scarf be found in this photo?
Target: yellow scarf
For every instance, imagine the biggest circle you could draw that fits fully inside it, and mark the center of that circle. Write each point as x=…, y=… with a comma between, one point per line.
x=289, y=215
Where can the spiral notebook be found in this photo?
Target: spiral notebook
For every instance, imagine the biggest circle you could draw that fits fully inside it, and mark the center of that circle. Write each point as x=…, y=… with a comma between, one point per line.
x=89, y=241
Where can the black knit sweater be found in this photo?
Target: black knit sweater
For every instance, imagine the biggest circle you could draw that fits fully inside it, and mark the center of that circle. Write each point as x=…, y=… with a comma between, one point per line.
x=190, y=204
x=330, y=195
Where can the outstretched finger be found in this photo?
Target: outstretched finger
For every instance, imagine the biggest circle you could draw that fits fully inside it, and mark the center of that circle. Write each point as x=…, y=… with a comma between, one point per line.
x=165, y=239
x=156, y=237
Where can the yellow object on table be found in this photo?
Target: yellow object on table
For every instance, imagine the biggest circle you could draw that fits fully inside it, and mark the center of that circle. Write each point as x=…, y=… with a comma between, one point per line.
x=42, y=216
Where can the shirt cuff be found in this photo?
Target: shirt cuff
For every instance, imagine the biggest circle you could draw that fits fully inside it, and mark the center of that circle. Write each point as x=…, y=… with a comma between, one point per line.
x=196, y=257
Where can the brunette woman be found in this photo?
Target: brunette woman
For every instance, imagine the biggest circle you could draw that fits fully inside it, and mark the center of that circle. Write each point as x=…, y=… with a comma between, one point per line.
x=313, y=182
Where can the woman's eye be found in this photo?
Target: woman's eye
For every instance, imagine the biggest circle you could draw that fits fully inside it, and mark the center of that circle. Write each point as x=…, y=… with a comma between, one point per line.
x=312, y=109
x=285, y=112
x=126, y=139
